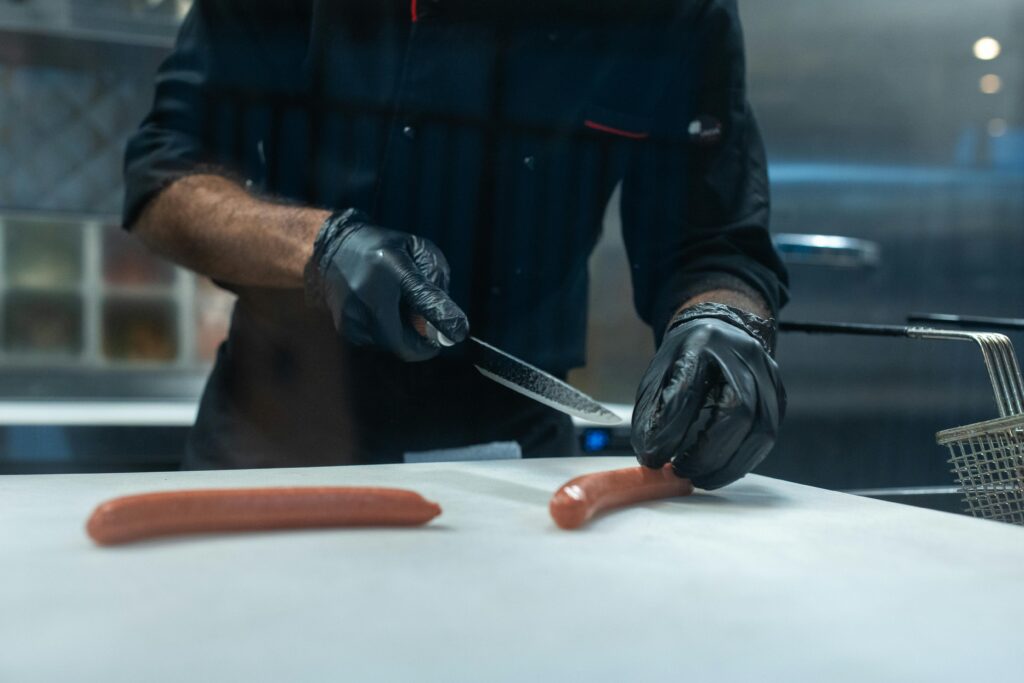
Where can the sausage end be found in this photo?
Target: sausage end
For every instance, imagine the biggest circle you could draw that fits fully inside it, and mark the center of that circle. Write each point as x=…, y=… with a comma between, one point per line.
x=569, y=508
x=430, y=511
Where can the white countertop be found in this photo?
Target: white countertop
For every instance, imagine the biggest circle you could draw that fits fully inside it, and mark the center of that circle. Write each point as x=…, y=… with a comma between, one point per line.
x=762, y=581
x=143, y=413
x=98, y=413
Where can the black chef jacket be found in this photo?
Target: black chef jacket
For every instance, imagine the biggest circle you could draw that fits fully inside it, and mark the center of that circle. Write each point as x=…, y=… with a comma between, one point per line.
x=498, y=129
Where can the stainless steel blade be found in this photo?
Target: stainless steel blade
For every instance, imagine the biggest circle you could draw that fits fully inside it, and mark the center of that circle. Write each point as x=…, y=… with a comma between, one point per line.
x=534, y=383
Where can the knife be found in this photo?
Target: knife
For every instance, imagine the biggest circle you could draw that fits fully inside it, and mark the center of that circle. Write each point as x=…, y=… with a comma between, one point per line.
x=521, y=377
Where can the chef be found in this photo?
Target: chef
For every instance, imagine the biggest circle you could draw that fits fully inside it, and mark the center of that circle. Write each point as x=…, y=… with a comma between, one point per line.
x=346, y=165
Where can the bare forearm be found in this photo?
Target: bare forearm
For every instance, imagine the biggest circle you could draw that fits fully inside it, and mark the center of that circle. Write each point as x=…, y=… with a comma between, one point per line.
x=730, y=297
x=213, y=226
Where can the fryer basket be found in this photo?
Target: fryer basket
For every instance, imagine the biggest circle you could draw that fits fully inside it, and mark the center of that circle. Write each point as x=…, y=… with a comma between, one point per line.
x=987, y=459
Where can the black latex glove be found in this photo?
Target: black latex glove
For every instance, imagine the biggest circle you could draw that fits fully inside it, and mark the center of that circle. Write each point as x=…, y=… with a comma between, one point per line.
x=373, y=280
x=712, y=400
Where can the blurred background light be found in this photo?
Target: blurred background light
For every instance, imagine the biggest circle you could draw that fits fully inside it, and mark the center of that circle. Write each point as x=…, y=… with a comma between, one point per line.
x=595, y=440
x=987, y=48
x=990, y=84
x=997, y=128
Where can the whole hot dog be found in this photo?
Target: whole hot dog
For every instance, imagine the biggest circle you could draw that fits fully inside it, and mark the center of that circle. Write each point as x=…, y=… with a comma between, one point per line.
x=148, y=515
x=581, y=498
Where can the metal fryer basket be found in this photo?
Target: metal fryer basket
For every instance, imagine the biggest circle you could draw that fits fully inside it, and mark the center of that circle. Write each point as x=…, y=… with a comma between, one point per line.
x=988, y=462
x=988, y=457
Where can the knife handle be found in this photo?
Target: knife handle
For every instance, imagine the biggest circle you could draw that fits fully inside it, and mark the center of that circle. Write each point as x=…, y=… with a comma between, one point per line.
x=421, y=325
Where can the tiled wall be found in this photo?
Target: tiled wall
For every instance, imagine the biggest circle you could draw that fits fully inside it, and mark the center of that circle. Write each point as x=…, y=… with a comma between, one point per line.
x=82, y=292
x=62, y=136
x=75, y=290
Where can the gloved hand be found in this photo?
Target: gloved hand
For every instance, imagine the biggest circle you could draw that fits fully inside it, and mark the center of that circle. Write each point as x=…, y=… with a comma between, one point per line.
x=373, y=280
x=712, y=400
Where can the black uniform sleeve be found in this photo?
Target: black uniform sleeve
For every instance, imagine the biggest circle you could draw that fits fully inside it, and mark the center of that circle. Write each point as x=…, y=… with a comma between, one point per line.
x=226, y=50
x=695, y=200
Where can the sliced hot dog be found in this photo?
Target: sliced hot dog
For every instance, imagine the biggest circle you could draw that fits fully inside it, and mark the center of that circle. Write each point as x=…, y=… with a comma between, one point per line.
x=581, y=498
x=132, y=518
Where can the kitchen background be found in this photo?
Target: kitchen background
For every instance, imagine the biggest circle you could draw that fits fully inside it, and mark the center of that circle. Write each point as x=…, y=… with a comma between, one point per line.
x=895, y=133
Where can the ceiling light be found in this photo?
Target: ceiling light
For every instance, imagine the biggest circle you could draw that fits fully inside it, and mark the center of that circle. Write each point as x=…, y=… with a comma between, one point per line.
x=987, y=48
x=990, y=84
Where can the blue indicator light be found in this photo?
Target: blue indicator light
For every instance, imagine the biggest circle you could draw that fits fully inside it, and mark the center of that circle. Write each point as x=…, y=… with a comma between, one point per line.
x=596, y=440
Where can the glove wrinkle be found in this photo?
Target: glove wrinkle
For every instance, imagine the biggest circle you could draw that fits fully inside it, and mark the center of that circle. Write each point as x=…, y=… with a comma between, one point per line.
x=688, y=397
x=722, y=435
x=431, y=263
x=754, y=449
x=728, y=431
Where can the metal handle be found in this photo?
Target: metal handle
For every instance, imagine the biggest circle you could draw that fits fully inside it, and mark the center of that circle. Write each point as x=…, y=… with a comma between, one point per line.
x=996, y=350
x=969, y=321
x=859, y=329
x=834, y=251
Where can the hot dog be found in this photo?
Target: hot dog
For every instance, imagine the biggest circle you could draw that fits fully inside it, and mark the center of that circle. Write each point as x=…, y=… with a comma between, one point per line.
x=581, y=498
x=148, y=515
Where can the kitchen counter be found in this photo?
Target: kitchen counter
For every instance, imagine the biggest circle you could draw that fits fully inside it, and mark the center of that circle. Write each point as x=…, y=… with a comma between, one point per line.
x=764, y=580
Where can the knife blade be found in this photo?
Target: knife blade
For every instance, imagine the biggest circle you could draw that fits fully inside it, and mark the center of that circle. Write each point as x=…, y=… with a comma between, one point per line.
x=523, y=378
x=532, y=382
